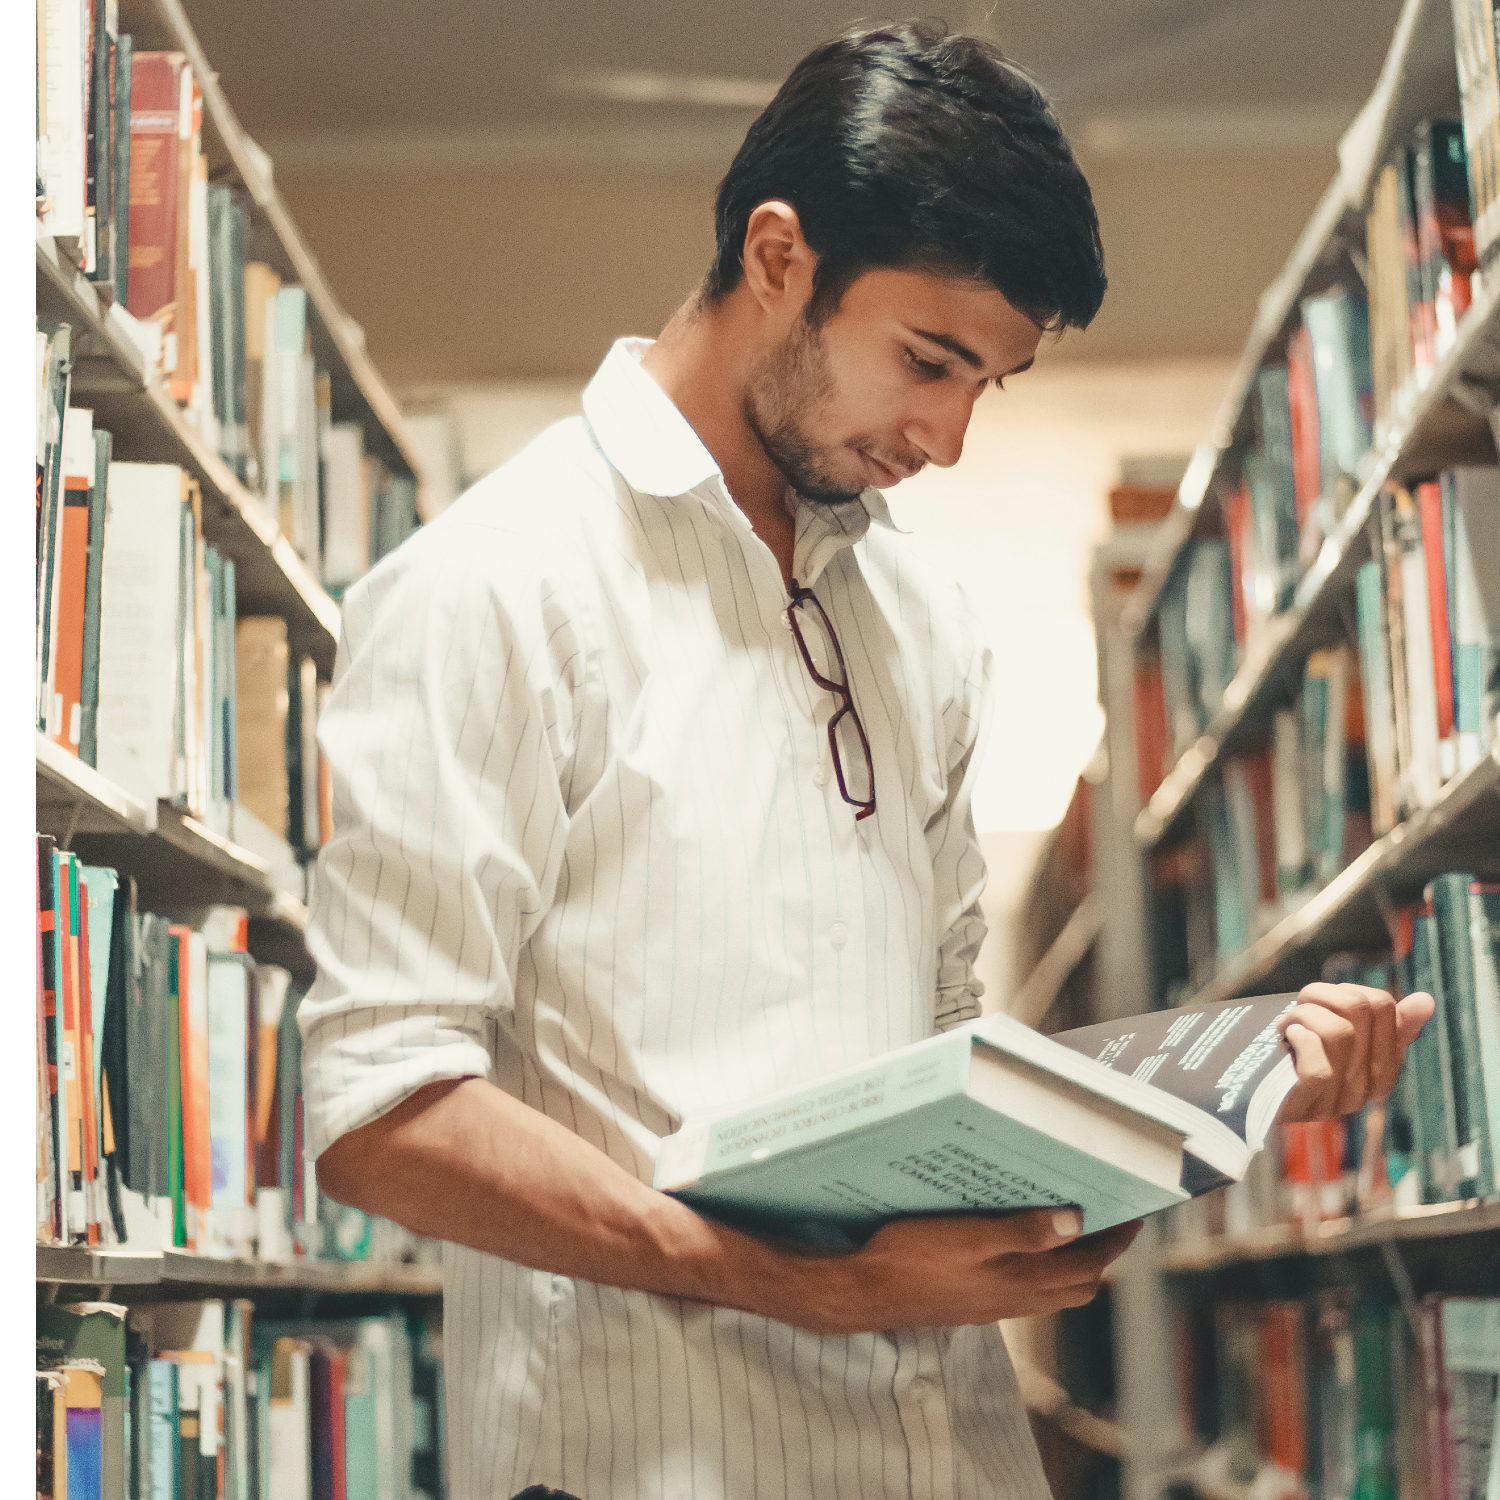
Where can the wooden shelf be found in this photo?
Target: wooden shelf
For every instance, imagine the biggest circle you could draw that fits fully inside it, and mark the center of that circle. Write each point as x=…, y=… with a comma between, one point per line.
x=109, y=377
x=1443, y=425
x=78, y=1266
x=1337, y=1237
x=1461, y=831
x=178, y=864
x=338, y=343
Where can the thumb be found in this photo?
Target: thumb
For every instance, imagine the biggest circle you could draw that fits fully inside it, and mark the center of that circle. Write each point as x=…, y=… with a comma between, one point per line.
x=1412, y=1014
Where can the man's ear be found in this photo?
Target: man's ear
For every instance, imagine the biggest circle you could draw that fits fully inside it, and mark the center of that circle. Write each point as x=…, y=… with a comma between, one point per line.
x=778, y=261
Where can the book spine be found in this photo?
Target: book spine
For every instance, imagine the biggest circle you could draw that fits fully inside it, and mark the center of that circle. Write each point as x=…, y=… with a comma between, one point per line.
x=88, y=736
x=1435, y=1095
x=156, y=204
x=124, y=75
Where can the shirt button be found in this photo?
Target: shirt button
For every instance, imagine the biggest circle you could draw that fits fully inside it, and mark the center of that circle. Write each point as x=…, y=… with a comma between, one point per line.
x=838, y=935
x=821, y=775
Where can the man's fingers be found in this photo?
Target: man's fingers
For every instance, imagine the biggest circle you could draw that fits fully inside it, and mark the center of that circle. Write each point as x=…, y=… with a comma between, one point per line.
x=1412, y=1014
x=981, y=1237
x=1068, y=1265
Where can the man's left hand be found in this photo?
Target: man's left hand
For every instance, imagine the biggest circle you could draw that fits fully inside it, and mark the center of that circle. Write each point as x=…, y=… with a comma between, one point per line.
x=1349, y=1041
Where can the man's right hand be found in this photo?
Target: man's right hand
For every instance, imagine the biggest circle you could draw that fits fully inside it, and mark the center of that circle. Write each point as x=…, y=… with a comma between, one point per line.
x=946, y=1272
x=462, y=1161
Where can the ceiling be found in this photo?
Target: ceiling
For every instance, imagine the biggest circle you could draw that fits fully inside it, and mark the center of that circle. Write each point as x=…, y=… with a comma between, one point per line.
x=484, y=218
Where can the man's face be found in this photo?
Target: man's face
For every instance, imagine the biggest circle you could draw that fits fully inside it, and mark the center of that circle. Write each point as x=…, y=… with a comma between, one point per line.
x=885, y=385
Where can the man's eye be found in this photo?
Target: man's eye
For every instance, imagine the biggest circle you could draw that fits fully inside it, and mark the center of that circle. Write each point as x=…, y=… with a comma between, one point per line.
x=924, y=367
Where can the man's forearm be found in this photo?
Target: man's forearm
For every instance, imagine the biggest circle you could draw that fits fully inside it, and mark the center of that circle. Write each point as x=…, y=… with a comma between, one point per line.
x=463, y=1161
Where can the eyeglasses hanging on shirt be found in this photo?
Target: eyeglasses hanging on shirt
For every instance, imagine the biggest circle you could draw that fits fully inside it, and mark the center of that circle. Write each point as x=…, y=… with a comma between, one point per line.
x=824, y=660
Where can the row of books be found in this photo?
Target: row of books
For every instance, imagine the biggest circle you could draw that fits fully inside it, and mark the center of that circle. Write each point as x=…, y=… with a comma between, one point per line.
x=123, y=190
x=143, y=668
x=1344, y=1395
x=1435, y=1140
x=1423, y=698
x=1476, y=45
x=1419, y=241
x=1427, y=608
x=169, y=1088
x=193, y=1400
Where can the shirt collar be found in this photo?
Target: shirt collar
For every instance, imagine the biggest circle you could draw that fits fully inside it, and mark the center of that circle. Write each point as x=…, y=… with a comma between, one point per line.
x=654, y=449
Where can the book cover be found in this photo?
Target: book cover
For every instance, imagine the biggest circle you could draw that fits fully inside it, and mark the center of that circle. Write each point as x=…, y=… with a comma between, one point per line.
x=1473, y=495
x=92, y=1332
x=138, y=628
x=228, y=1040
x=160, y=116
x=1338, y=326
x=120, y=168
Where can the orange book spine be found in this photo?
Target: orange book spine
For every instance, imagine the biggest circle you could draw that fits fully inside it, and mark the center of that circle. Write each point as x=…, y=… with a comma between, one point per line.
x=1429, y=499
x=67, y=669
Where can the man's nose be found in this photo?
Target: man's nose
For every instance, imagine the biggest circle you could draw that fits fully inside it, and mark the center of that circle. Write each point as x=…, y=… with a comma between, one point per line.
x=939, y=430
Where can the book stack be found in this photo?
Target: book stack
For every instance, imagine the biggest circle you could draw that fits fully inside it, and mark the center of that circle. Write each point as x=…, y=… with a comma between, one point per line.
x=196, y=1399
x=1428, y=613
x=169, y=1086
x=1420, y=247
x=123, y=190
x=1344, y=1394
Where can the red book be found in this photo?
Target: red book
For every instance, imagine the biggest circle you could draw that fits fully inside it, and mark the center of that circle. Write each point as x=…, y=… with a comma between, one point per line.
x=161, y=95
x=1429, y=498
x=1258, y=773
x=1302, y=398
x=1284, y=1386
x=1150, y=727
x=1242, y=585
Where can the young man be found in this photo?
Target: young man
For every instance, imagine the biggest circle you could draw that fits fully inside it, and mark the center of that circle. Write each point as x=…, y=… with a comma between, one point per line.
x=652, y=771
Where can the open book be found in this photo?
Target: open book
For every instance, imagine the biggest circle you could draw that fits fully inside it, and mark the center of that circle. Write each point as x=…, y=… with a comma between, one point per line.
x=1119, y=1119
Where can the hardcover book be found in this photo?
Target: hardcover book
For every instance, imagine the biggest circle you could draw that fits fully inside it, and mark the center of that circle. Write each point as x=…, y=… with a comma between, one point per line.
x=1119, y=1120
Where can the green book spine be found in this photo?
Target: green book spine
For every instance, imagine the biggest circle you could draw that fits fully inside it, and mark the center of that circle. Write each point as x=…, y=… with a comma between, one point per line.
x=1380, y=742
x=174, y=1102
x=121, y=205
x=1375, y=1418
x=1476, y=1165
x=1437, y=1127
x=1484, y=941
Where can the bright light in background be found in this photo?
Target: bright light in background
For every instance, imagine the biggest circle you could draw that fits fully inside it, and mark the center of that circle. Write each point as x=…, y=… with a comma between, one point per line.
x=1047, y=720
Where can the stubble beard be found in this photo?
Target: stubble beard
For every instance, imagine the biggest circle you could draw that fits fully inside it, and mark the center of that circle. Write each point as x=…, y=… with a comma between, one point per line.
x=794, y=379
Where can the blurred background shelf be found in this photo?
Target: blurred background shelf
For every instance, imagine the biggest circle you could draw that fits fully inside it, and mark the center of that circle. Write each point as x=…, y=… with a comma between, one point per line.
x=182, y=1273
x=1336, y=1236
x=1446, y=425
x=1460, y=831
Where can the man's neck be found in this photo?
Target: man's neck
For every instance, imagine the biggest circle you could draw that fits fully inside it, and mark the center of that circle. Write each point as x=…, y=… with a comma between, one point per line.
x=702, y=361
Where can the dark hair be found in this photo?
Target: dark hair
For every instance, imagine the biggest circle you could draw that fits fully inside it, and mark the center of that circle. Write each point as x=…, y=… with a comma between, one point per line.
x=905, y=146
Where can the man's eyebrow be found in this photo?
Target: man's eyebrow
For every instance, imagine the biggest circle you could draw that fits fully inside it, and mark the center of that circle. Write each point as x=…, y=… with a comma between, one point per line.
x=952, y=345
x=969, y=357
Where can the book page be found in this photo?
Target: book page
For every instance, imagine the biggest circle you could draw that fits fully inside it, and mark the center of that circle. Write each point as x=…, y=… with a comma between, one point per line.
x=1223, y=1059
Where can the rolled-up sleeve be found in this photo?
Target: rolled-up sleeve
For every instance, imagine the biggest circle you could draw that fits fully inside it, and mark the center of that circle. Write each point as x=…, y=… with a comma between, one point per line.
x=957, y=861
x=448, y=735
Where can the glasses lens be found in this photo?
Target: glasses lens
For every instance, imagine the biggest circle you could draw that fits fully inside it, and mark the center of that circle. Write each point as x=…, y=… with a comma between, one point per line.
x=853, y=757
x=817, y=642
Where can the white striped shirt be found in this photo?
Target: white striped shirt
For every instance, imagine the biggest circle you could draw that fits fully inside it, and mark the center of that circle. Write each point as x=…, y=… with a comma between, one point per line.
x=587, y=845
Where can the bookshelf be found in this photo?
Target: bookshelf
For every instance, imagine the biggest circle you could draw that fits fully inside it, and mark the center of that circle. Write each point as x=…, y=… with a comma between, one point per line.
x=1193, y=1271
x=203, y=858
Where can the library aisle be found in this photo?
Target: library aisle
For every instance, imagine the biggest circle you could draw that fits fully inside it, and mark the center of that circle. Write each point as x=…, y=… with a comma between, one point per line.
x=1234, y=547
